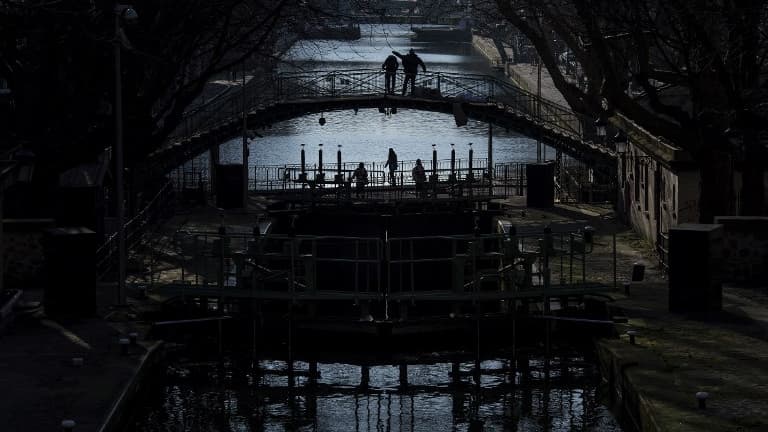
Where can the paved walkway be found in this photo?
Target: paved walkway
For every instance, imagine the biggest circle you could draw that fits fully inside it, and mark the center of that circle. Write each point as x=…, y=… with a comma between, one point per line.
x=526, y=76
x=41, y=385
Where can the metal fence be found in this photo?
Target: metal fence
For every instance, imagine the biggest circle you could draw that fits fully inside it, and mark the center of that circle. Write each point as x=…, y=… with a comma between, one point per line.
x=135, y=228
x=531, y=262
x=266, y=90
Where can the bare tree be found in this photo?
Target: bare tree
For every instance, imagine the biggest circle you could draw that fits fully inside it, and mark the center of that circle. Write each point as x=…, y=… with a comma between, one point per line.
x=690, y=71
x=58, y=60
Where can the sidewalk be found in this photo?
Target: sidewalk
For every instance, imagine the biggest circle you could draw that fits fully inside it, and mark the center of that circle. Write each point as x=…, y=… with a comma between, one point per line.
x=675, y=356
x=526, y=76
x=724, y=354
x=42, y=386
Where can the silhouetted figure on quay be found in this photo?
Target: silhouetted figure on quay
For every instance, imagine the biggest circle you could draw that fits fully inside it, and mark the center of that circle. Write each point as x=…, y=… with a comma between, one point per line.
x=392, y=165
x=419, y=177
x=390, y=66
x=360, y=176
x=411, y=63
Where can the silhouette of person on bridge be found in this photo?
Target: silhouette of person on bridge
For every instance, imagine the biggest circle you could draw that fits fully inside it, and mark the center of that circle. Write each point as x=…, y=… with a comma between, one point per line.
x=360, y=175
x=392, y=164
x=411, y=63
x=419, y=177
x=390, y=66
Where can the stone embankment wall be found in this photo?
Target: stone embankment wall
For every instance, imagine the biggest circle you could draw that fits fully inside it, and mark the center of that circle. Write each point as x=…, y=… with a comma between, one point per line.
x=488, y=48
x=745, y=249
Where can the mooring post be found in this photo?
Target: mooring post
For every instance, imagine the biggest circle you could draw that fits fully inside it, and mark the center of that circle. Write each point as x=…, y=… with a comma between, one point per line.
x=452, y=177
x=319, y=163
x=303, y=174
x=433, y=177
x=68, y=425
x=339, y=176
x=470, y=176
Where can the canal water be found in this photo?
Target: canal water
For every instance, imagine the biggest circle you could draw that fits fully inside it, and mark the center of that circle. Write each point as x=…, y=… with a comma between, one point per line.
x=557, y=394
x=530, y=395
x=367, y=135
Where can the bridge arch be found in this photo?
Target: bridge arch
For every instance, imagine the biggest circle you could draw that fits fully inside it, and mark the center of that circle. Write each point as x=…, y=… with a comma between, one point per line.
x=293, y=95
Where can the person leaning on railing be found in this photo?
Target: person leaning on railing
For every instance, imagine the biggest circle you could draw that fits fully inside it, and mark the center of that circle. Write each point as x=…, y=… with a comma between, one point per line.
x=360, y=176
x=419, y=177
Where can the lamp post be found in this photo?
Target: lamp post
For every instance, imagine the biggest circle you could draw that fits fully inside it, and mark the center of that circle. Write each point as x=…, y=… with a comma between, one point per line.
x=245, y=148
x=121, y=12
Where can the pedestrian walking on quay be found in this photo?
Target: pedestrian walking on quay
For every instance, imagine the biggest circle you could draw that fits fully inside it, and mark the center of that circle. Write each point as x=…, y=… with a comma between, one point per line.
x=411, y=63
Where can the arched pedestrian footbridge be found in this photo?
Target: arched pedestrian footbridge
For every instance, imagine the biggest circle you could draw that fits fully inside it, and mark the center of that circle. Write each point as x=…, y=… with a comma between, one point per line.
x=268, y=100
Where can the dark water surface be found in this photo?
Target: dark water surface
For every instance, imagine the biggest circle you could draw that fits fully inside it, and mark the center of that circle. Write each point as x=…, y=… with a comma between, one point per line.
x=367, y=135
x=559, y=395
x=556, y=395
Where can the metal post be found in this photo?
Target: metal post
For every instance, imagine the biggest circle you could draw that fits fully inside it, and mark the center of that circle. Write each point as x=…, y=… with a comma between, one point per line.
x=453, y=164
x=615, y=279
x=538, y=112
x=320, y=160
x=490, y=153
x=471, y=152
x=118, y=150
x=303, y=162
x=434, y=161
x=245, y=147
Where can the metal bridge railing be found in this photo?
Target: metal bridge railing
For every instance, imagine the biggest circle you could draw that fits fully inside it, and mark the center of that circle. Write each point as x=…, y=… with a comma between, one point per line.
x=529, y=264
x=265, y=90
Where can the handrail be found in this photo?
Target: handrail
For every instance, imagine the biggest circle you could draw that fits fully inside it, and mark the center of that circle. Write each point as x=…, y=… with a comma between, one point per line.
x=446, y=86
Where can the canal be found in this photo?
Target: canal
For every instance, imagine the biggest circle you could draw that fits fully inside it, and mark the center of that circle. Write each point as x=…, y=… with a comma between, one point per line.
x=367, y=134
x=530, y=393
x=238, y=392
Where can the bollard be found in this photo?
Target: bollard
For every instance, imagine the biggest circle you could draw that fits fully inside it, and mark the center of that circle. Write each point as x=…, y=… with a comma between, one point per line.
x=77, y=361
x=632, y=334
x=124, y=345
x=638, y=272
x=626, y=289
x=589, y=234
x=133, y=337
x=702, y=398
x=68, y=425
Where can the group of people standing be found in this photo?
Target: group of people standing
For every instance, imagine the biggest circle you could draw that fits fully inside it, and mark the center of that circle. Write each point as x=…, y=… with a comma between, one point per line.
x=419, y=175
x=411, y=63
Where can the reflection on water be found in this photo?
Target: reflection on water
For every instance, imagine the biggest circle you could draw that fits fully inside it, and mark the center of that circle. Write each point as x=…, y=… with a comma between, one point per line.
x=367, y=135
x=527, y=395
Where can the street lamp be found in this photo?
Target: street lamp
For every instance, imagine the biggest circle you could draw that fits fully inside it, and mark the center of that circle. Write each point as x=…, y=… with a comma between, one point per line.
x=600, y=125
x=122, y=13
x=621, y=141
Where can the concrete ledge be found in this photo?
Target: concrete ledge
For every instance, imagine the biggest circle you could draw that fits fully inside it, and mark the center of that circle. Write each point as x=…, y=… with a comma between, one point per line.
x=113, y=422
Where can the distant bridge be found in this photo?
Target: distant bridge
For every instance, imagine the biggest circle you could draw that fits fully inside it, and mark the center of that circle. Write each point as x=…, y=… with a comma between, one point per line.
x=269, y=100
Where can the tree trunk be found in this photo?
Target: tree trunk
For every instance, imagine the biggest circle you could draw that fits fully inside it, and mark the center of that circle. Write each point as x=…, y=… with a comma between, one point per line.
x=753, y=177
x=716, y=185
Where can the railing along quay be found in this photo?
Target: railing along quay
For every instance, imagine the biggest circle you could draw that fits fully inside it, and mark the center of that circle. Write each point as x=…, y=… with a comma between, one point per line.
x=495, y=266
